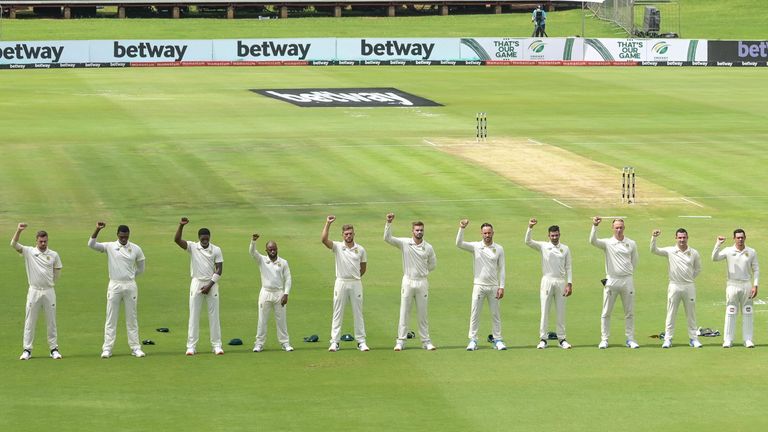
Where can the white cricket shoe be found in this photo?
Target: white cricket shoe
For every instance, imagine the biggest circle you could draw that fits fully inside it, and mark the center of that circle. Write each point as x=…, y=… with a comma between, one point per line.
x=564, y=344
x=55, y=354
x=603, y=344
x=287, y=347
x=334, y=347
x=258, y=348
x=190, y=352
x=399, y=346
x=695, y=343
x=632, y=344
x=362, y=346
x=667, y=343
x=25, y=355
x=749, y=344
x=106, y=354
x=499, y=345
x=138, y=353
x=429, y=347
x=542, y=344
x=726, y=344
x=218, y=351
x=472, y=346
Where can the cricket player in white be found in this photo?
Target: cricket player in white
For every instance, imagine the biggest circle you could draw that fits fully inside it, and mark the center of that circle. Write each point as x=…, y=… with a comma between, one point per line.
x=620, y=263
x=489, y=271
x=275, y=288
x=684, y=266
x=43, y=270
x=740, y=289
x=418, y=261
x=351, y=263
x=556, y=280
x=206, y=267
x=125, y=261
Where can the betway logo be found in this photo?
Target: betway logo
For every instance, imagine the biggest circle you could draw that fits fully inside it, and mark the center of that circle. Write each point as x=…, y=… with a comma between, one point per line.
x=272, y=49
x=395, y=48
x=326, y=96
x=347, y=97
x=22, y=51
x=150, y=50
x=753, y=50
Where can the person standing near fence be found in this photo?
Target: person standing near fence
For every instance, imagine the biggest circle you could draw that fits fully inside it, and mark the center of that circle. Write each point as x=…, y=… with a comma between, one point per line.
x=539, y=19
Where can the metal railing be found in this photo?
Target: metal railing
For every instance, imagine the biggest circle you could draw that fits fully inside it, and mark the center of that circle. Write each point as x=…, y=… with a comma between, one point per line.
x=628, y=15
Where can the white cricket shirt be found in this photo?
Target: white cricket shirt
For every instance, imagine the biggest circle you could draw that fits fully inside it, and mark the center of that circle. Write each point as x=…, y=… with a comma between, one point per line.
x=275, y=275
x=684, y=266
x=348, y=260
x=742, y=264
x=418, y=259
x=40, y=265
x=620, y=255
x=555, y=259
x=121, y=260
x=202, y=262
x=489, y=265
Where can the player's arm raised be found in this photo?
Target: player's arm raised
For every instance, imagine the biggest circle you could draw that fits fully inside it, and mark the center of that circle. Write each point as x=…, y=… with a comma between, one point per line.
x=177, y=238
x=324, y=236
x=15, y=239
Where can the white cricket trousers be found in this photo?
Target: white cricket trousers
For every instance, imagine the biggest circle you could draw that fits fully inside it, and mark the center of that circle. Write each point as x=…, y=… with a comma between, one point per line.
x=676, y=293
x=347, y=290
x=413, y=291
x=615, y=287
x=737, y=299
x=196, y=299
x=479, y=294
x=552, y=291
x=269, y=302
x=128, y=293
x=45, y=299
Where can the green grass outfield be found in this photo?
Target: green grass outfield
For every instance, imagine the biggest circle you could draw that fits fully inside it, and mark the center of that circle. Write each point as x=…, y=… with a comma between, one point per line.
x=704, y=19
x=146, y=146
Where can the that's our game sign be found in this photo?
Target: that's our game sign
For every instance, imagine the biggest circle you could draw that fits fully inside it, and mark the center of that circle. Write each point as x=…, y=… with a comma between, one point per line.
x=347, y=97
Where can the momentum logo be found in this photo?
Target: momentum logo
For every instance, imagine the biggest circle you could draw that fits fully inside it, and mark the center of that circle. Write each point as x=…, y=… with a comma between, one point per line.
x=346, y=97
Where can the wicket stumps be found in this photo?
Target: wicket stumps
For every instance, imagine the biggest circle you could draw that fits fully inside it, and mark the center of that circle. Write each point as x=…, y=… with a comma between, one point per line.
x=628, y=185
x=481, y=131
